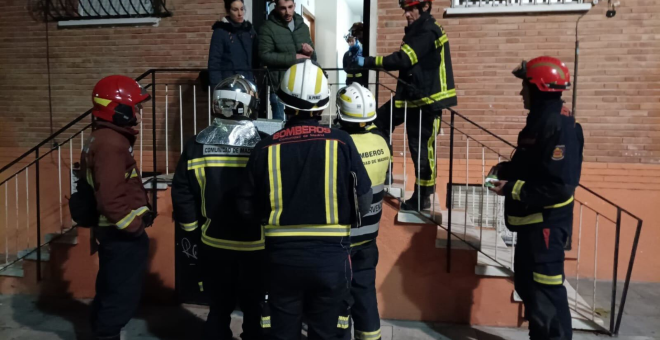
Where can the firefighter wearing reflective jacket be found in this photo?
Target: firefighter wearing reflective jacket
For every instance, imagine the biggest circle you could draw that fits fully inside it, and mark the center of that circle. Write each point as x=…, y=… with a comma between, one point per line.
x=426, y=83
x=203, y=194
x=354, y=38
x=110, y=169
x=305, y=183
x=538, y=184
x=357, y=109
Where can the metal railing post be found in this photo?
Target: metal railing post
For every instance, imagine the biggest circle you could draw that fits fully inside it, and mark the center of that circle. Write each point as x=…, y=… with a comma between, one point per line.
x=181, y=118
x=628, y=275
x=38, y=188
x=141, y=143
x=616, y=267
x=593, y=307
x=449, y=191
x=467, y=184
x=577, y=266
x=418, y=185
x=154, y=183
x=167, y=128
x=27, y=206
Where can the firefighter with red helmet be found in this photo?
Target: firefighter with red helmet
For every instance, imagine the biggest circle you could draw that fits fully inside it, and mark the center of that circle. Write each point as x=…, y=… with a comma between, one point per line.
x=121, y=201
x=538, y=185
x=426, y=83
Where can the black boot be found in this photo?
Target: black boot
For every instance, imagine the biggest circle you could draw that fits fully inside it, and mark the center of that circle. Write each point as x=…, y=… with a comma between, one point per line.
x=420, y=199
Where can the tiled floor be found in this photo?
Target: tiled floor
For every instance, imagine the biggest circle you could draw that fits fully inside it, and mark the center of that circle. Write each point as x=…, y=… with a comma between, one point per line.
x=23, y=318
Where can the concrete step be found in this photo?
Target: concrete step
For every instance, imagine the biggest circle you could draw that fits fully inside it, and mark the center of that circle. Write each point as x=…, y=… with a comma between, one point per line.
x=31, y=254
x=67, y=236
x=12, y=270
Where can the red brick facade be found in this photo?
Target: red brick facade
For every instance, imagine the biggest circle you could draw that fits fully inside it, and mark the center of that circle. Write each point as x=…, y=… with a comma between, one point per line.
x=619, y=84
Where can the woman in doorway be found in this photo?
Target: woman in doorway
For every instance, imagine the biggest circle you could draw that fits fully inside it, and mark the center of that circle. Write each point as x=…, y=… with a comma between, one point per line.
x=233, y=45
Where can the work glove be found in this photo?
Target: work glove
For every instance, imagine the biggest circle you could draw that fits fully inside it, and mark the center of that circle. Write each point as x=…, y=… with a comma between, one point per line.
x=360, y=61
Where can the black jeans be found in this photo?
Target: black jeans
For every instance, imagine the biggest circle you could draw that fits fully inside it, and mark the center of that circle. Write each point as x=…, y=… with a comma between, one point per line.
x=122, y=265
x=539, y=277
x=230, y=278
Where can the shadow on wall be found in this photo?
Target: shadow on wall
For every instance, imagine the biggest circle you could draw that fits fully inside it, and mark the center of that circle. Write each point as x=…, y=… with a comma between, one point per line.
x=68, y=317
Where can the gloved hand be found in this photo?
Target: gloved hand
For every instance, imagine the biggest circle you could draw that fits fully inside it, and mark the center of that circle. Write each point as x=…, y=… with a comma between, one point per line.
x=148, y=219
x=360, y=61
x=354, y=49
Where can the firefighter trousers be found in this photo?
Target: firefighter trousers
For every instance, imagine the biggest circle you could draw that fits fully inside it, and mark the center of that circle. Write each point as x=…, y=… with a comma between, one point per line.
x=320, y=295
x=122, y=265
x=366, y=320
x=232, y=278
x=539, y=278
x=423, y=154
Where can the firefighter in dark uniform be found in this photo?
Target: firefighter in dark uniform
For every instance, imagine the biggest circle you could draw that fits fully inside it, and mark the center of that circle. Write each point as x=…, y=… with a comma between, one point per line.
x=204, y=193
x=426, y=83
x=538, y=184
x=354, y=40
x=304, y=183
x=121, y=201
x=357, y=109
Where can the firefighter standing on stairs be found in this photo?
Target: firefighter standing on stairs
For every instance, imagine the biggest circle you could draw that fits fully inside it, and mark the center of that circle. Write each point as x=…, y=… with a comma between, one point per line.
x=304, y=183
x=538, y=184
x=357, y=109
x=203, y=194
x=354, y=40
x=109, y=167
x=426, y=83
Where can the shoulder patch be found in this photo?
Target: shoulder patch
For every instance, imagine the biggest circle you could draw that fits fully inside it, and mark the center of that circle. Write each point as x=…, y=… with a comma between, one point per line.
x=558, y=153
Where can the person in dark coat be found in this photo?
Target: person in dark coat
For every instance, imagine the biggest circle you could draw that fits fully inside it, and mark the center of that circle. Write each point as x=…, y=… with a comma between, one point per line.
x=232, y=45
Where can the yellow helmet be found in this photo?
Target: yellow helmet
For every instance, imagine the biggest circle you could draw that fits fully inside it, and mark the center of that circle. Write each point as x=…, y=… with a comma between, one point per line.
x=304, y=87
x=356, y=104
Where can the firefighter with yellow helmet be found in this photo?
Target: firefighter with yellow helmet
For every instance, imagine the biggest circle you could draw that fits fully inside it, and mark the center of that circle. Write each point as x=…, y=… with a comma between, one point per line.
x=307, y=185
x=357, y=111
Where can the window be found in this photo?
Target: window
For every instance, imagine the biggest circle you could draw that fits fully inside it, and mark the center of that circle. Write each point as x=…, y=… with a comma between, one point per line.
x=106, y=12
x=465, y=7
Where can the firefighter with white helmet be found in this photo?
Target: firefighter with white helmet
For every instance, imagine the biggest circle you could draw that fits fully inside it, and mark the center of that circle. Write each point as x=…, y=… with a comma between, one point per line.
x=357, y=111
x=305, y=184
x=203, y=196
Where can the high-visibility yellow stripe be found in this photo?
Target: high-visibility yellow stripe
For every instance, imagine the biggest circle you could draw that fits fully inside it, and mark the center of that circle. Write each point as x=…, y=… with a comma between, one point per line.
x=235, y=245
x=265, y=322
x=359, y=115
x=563, y=204
x=331, y=209
x=292, y=77
x=201, y=286
x=360, y=335
x=353, y=75
x=410, y=52
x=103, y=222
x=443, y=72
x=189, y=226
x=342, y=322
x=554, y=280
x=104, y=102
x=90, y=178
x=515, y=193
x=275, y=179
x=441, y=41
x=128, y=219
x=200, y=174
x=426, y=100
x=132, y=174
x=319, y=81
x=360, y=243
x=217, y=161
x=308, y=230
x=379, y=61
x=430, y=146
x=525, y=220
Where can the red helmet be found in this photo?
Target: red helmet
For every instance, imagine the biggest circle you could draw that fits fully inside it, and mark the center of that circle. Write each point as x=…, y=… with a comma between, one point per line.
x=115, y=99
x=408, y=3
x=547, y=73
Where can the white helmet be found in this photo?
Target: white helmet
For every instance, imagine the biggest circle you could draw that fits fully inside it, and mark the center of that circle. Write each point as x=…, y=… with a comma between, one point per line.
x=235, y=95
x=304, y=87
x=356, y=104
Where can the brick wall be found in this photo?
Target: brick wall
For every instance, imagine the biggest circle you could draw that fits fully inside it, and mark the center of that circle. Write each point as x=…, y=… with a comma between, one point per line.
x=619, y=96
x=619, y=75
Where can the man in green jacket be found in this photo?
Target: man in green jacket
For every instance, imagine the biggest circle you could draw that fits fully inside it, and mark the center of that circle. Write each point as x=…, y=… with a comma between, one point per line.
x=283, y=40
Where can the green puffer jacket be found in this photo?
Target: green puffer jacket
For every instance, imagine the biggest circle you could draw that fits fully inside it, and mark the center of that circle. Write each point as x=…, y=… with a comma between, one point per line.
x=278, y=45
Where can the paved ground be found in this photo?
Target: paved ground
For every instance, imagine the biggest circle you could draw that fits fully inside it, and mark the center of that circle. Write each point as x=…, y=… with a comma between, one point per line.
x=25, y=317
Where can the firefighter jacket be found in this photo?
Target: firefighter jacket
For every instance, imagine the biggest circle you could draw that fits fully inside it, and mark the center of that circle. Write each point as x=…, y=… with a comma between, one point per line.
x=304, y=183
x=108, y=164
x=375, y=154
x=544, y=171
x=426, y=77
x=204, y=191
